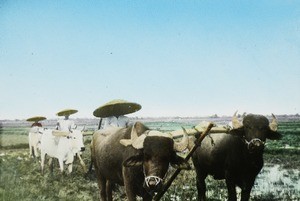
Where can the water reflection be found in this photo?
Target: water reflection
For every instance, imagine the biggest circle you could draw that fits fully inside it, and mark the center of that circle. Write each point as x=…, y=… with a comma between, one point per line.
x=273, y=180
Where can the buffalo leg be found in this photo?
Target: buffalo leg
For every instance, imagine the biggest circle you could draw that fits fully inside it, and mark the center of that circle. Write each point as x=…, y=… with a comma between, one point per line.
x=129, y=192
x=246, y=191
x=102, y=187
x=108, y=190
x=131, y=196
x=245, y=195
x=231, y=189
x=201, y=186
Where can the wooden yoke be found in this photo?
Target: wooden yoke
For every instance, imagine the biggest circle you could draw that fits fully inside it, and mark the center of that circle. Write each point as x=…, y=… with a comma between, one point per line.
x=174, y=175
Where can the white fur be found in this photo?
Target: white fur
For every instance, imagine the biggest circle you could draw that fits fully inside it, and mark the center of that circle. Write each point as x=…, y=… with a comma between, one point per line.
x=62, y=148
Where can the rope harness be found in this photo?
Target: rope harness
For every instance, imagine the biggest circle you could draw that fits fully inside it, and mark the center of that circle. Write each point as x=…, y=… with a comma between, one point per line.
x=253, y=142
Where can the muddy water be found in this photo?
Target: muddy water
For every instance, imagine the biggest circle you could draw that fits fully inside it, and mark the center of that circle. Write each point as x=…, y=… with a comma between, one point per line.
x=273, y=180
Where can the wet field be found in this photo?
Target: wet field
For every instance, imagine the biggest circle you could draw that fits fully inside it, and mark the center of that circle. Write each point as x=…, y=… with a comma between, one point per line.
x=21, y=178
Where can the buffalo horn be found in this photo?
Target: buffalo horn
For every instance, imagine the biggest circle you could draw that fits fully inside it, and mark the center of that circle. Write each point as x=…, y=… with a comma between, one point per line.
x=183, y=144
x=134, y=134
x=235, y=122
x=274, y=124
x=133, y=137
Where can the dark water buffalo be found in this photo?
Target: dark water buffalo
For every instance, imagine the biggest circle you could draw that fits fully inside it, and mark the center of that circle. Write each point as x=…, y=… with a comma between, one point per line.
x=135, y=157
x=236, y=157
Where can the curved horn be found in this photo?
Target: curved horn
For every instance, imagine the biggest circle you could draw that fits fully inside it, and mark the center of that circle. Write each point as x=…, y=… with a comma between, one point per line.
x=274, y=124
x=235, y=122
x=183, y=144
x=133, y=137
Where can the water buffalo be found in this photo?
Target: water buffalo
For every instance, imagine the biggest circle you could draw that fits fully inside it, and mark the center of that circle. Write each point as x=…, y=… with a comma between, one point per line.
x=236, y=157
x=135, y=157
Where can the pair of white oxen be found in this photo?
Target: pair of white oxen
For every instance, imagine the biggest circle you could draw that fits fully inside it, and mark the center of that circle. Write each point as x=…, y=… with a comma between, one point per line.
x=64, y=148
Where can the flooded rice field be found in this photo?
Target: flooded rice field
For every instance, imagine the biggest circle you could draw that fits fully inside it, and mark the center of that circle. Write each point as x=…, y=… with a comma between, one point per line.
x=21, y=178
x=274, y=180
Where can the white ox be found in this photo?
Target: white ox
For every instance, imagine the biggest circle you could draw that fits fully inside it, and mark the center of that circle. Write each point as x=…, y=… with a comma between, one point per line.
x=34, y=137
x=62, y=148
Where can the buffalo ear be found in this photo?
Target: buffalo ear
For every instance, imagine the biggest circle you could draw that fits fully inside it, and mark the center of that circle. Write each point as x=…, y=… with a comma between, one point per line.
x=133, y=161
x=237, y=131
x=274, y=135
x=179, y=163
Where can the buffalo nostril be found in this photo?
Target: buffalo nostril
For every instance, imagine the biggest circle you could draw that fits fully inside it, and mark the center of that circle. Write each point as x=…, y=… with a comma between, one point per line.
x=152, y=182
x=82, y=148
x=259, y=144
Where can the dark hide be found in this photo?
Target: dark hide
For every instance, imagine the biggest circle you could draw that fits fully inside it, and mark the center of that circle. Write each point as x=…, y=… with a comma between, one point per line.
x=117, y=164
x=229, y=157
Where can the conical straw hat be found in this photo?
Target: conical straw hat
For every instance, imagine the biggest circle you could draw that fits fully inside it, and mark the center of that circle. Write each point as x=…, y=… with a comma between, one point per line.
x=66, y=112
x=116, y=108
x=36, y=118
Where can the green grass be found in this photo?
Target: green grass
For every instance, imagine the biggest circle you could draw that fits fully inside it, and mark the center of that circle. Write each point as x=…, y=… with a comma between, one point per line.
x=14, y=130
x=13, y=141
x=21, y=178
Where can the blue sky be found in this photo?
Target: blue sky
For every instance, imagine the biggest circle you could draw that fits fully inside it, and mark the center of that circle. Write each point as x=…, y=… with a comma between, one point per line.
x=175, y=58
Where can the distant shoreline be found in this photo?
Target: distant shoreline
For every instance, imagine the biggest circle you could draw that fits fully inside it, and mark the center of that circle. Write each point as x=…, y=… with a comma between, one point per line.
x=95, y=121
